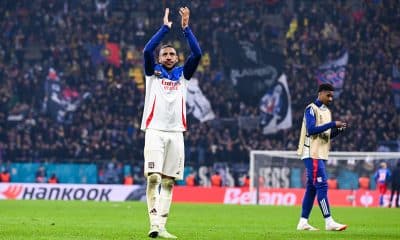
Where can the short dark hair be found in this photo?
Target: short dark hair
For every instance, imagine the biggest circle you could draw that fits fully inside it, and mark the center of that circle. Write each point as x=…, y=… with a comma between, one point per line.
x=325, y=87
x=166, y=46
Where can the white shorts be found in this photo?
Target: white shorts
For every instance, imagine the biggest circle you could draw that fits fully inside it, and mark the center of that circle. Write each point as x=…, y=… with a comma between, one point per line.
x=164, y=153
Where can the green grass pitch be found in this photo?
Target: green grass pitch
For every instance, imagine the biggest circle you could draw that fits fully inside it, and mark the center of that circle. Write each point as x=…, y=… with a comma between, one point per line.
x=62, y=220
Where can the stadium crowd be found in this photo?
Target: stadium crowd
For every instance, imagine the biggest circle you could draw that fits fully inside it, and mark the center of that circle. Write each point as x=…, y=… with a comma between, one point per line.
x=51, y=43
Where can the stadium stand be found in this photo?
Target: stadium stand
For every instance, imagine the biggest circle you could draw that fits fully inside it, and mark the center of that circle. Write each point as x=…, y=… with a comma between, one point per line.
x=71, y=84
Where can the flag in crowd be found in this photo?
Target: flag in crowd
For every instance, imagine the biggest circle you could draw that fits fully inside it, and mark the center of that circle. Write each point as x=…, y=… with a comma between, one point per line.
x=275, y=107
x=333, y=72
x=251, y=67
x=60, y=100
x=396, y=84
x=198, y=104
x=109, y=52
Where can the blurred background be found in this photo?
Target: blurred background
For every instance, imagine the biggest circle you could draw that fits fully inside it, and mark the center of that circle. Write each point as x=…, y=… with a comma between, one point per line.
x=72, y=84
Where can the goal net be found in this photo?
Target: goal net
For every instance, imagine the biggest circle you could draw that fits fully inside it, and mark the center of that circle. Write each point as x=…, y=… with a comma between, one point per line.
x=284, y=169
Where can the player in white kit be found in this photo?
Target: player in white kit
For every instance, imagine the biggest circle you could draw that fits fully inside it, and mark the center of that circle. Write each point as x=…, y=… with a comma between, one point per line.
x=164, y=120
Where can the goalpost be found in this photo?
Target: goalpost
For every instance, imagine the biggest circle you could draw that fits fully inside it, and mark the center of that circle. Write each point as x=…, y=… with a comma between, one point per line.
x=284, y=169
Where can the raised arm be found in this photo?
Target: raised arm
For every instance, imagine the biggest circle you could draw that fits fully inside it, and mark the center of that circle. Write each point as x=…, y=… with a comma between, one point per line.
x=194, y=58
x=148, y=51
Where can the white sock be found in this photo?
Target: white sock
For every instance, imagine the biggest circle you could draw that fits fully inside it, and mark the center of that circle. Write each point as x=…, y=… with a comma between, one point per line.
x=303, y=220
x=153, y=197
x=165, y=200
x=328, y=220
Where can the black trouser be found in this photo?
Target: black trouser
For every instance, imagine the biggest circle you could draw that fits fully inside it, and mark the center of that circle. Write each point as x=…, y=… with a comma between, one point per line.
x=395, y=189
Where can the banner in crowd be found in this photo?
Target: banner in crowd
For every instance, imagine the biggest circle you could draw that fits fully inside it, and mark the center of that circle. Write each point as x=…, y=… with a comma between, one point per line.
x=251, y=68
x=59, y=106
x=333, y=72
x=396, y=84
x=274, y=196
x=60, y=100
x=198, y=105
x=95, y=192
x=109, y=52
x=221, y=195
x=275, y=107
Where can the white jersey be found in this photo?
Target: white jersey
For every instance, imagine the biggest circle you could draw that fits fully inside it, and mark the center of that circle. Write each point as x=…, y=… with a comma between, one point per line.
x=165, y=102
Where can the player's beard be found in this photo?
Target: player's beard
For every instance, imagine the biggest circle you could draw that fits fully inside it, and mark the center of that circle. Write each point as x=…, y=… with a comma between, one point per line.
x=171, y=66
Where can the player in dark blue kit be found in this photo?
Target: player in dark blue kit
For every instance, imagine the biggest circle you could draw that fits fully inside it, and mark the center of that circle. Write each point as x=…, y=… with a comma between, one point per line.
x=315, y=138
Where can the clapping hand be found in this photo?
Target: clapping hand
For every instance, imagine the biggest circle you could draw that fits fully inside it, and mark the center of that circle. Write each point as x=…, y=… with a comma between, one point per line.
x=185, y=13
x=166, y=21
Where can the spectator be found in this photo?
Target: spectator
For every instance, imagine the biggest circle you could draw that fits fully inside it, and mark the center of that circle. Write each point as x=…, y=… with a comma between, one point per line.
x=41, y=175
x=53, y=179
x=191, y=179
x=246, y=181
x=5, y=176
x=111, y=174
x=363, y=182
x=128, y=179
x=216, y=180
x=332, y=183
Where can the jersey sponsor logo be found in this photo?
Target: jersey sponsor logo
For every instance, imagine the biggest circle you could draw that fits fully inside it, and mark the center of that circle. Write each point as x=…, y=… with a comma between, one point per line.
x=170, y=85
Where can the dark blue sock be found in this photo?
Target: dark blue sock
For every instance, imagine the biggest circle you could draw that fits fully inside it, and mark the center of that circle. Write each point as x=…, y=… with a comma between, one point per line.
x=322, y=196
x=308, y=201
